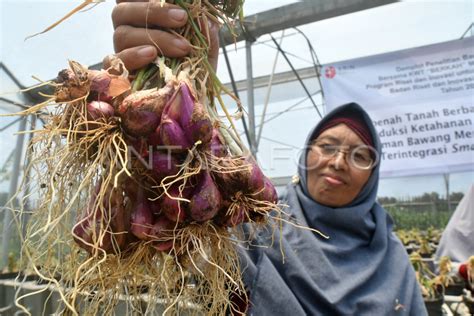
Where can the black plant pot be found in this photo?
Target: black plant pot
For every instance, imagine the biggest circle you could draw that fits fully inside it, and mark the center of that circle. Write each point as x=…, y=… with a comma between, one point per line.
x=455, y=289
x=20, y=276
x=410, y=249
x=434, y=306
x=427, y=255
x=430, y=263
x=469, y=302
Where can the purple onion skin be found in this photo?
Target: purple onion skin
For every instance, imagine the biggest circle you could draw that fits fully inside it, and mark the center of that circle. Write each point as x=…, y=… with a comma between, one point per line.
x=154, y=139
x=173, y=135
x=194, y=119
x=256, y=179
x=151, y=100
x=141, y=221
x=140, y=123
x=268, y=193
x=164, y=246
x=216, y=146
x=238, y=217
x=112, y=216
x=119, y=215
x=132, y=190
x=166, y=92
x=97, y=110
x=161, y=234
x=191, y=117
x=162, y=228
x=83, y=230
x=89, y=228
x=173, y=108
x=112, y=198
x=229, y=182
x=141, y=111
x=100, y=82
x=139, y=144
x=171, y=131
x=206, y=200
x=187, y=104
x=199, y=128
x=164, y=164
x=120, y=225
x=249, y=180
x=173, y=209
x=155, y=207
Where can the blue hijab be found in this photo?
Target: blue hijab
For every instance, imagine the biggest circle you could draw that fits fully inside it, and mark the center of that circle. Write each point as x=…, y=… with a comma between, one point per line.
x=362, y=269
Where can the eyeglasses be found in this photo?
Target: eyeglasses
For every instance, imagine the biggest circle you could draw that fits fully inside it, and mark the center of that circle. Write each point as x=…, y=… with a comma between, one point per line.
x=359, y=157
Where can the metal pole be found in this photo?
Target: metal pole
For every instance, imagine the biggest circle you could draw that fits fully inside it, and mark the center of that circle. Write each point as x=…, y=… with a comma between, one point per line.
x=26, y=195
x=269, y=91
x=446, y=183
x=13, y=188
x=234, y=86
x=250, y=98
x=295, y=14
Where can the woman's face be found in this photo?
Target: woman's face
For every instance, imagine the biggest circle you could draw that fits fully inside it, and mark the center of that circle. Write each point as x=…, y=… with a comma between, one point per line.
x=336, y=180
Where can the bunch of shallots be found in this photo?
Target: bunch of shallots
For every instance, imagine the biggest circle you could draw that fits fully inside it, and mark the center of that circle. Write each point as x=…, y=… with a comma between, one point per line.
x=142, y=186
x=180, y=171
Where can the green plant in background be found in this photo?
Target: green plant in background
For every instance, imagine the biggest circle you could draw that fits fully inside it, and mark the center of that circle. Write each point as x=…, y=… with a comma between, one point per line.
x=434, y=234
x=407, y=219
x=424, y=242
x=415, y=235
x=444, y=267
x=426, y=250
x=429, y=238
x=430, y=232
x=404, y=236
x=427, y=210
x=430, y=285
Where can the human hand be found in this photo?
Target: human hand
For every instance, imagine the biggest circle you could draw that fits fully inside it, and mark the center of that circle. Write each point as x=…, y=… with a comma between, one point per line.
x=140, y=37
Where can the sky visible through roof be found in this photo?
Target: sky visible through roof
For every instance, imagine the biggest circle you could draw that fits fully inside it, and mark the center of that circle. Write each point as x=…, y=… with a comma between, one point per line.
x=87, y=38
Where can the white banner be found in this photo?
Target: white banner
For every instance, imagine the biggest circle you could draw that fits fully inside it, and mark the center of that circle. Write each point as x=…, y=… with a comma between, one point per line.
x=421, y=101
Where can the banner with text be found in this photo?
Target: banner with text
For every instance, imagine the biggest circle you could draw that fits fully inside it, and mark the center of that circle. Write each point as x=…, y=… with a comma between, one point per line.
x=421, y=101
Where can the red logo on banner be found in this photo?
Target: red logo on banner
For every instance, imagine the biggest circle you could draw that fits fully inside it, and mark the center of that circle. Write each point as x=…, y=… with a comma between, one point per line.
x=330, y=72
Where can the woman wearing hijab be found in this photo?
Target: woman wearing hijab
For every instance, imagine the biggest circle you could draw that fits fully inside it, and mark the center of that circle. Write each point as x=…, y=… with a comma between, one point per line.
x=362, y=269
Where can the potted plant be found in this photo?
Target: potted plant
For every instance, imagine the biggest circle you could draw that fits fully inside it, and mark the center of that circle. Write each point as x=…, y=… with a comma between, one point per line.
x=433, y=235
x=407, y=241
x=451, y=285
x=403, y=236
x=414, y=236
x=468, y=297
x=426, y=250
x=430, y=284
x=468, y=300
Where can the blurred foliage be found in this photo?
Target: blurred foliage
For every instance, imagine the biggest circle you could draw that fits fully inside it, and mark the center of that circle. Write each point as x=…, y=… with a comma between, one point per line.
x=433, y=197
x=407, y=219
x=421, y=212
